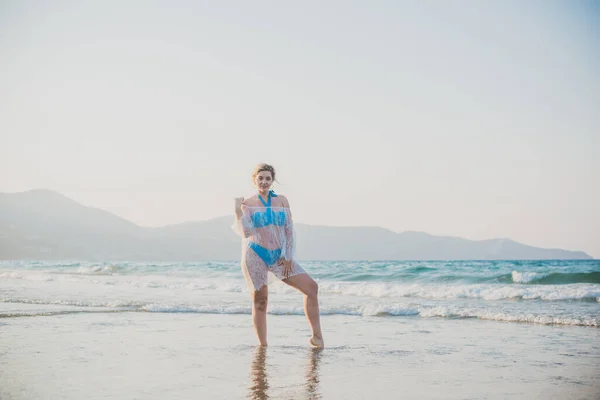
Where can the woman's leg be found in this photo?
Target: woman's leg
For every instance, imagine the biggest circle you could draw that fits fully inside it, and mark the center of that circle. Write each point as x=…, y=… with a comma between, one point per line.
x=259, y=313
x=305, y=284
x=255, y=272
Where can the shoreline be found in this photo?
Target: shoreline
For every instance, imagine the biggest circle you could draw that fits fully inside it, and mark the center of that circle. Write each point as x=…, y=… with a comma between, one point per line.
x=153, y=355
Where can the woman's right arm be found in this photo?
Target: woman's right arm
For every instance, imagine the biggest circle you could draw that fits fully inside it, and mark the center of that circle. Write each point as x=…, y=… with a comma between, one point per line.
x=238, y=207
x=242, y=225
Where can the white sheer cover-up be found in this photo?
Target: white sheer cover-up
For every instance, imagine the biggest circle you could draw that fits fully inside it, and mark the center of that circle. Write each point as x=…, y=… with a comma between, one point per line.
x=268, y=236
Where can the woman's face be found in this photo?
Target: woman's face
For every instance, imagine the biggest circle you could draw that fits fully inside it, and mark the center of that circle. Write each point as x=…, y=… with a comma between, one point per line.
x=263, y=180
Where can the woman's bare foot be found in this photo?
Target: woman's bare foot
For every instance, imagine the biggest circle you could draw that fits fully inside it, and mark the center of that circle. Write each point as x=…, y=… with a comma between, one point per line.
x=317, y=342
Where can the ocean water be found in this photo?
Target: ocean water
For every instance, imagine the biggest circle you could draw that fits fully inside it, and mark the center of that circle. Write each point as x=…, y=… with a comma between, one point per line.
x=540, y=292
x=432, y=330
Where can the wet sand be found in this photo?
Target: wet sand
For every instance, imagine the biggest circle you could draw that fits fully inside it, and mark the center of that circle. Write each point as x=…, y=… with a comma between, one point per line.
x=133, y=355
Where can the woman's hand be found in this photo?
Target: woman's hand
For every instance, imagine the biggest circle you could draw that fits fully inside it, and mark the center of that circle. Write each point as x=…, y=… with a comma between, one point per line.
x=238, y=206
x=287, y=267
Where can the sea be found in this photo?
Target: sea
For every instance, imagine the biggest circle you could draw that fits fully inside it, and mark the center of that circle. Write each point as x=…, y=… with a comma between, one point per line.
x=443, y=329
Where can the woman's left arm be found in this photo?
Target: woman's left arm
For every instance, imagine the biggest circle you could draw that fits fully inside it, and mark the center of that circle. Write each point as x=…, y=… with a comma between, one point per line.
x=290, y=239
x=289, y=247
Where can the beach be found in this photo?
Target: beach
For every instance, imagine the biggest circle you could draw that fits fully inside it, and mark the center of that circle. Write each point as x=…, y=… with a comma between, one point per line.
x=139, y=331
x=125, y=355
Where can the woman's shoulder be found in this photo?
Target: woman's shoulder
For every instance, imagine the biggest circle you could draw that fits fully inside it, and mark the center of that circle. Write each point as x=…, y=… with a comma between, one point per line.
x=253, y=201
x=283, y=200
x=250, y=201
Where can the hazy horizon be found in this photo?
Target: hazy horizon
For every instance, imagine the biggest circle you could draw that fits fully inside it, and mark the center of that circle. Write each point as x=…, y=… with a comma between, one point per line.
x=475, y=120
x=363, y=238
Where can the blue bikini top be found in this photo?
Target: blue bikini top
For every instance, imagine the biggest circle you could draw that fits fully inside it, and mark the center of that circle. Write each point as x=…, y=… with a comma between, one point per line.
x=268, y=217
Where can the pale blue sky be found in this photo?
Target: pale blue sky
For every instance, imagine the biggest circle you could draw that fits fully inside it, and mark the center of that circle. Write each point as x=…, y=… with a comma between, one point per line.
x=476, y=119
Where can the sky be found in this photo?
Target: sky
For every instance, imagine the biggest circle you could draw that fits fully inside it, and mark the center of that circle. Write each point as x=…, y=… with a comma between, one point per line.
x=476, y=119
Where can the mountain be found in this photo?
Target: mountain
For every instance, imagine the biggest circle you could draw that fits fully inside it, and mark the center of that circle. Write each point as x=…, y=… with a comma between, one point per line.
x=42, y=224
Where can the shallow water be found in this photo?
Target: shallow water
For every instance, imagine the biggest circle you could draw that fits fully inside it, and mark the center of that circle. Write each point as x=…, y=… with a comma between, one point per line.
x=158, y=355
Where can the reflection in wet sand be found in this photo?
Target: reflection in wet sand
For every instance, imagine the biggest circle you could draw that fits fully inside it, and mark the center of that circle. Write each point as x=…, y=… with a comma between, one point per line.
x=260, y=384
x=258, y=389
x=312, y=373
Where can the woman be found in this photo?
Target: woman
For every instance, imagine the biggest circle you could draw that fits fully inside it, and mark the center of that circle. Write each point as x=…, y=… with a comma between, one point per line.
x=264, y=222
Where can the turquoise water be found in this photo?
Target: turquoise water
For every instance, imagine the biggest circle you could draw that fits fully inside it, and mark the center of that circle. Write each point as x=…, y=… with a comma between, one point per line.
x=457, y=329
x=543, y=292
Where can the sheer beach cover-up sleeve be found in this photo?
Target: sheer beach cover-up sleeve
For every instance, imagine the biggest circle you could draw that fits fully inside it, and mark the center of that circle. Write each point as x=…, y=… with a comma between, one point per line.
x=243, y=226
x=290, y=237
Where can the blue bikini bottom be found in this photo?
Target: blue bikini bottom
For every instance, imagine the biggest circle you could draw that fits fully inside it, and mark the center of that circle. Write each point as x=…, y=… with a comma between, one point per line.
x=270, y=257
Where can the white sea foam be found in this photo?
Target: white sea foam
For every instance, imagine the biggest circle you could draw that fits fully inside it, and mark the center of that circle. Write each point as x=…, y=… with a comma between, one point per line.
x=202, y=309
x=495, y=315
x=481, y=291
x=76, y=302
x=137, y=281
x=99, y=270
x=368, y=310
x=384, y=309
x=527, y=277
x=496, y=292
x=35, y=276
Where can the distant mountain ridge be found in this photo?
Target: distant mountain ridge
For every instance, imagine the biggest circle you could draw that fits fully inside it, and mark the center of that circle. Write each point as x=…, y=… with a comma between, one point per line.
x=45, y=225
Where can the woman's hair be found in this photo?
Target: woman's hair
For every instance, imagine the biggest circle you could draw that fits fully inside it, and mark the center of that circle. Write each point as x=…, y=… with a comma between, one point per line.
x=263, y=167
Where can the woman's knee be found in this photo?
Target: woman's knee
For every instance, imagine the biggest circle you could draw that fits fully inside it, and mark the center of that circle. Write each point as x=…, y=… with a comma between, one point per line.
x=312, y=289
x=260, y=302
